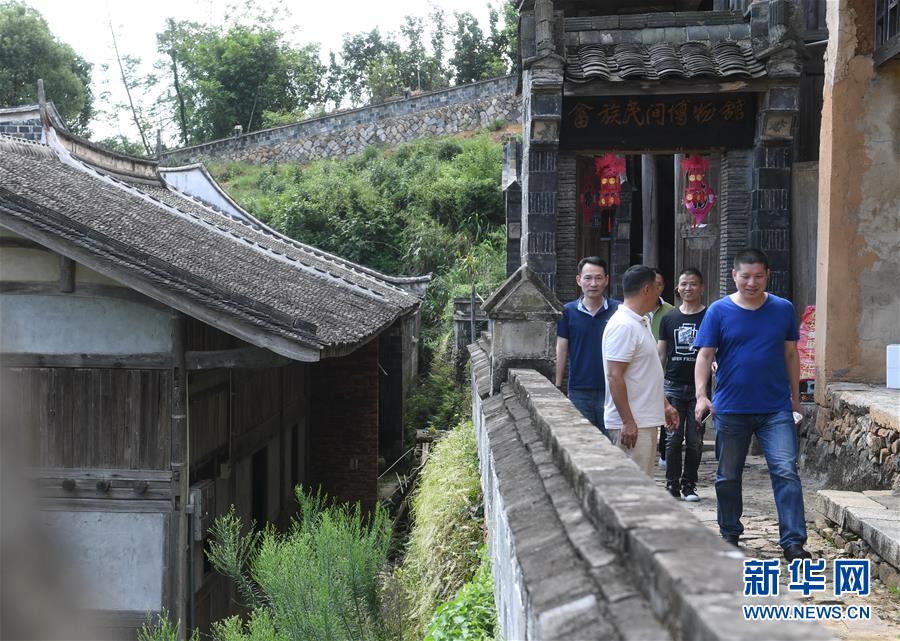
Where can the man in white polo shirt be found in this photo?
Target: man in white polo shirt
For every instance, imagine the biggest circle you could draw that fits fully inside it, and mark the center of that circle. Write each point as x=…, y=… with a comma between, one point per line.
x=635, y=404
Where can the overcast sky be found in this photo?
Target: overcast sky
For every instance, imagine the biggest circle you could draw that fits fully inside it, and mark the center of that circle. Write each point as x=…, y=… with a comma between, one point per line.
x=84, y=24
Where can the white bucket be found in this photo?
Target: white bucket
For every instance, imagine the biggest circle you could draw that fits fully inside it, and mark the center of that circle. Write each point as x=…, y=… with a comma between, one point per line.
x=893, y=366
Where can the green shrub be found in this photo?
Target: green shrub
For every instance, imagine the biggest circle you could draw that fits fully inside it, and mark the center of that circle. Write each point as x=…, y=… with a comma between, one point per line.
x=317, y=582
x=161, y=628
x=442, y=552
x=471, y=615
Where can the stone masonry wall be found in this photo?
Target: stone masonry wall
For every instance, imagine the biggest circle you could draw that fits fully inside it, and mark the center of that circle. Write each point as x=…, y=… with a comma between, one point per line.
x=448, y=111
x=585, y=546
x=855, y=441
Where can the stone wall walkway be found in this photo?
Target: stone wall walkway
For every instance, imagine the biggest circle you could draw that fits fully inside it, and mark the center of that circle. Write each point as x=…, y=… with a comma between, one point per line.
x=760, y=540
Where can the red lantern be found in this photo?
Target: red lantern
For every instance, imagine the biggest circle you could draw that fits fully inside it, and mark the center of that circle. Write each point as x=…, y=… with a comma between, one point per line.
x=609, y=169
x=699, y=197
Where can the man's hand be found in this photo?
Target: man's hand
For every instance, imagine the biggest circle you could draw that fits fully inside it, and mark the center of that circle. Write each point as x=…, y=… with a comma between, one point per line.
x=628, y=437
x=704, y=407
x=672, y=418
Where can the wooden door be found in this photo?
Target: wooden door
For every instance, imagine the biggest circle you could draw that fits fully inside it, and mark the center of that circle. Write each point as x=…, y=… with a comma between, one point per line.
x=699, y=247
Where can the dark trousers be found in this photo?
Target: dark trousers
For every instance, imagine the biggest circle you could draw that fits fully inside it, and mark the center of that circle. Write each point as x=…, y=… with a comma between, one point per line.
x=682, y=398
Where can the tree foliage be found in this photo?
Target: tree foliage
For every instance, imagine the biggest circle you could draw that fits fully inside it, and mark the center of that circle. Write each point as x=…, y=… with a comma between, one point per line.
x=250, y=73
x=29, y=51
x=220, y=78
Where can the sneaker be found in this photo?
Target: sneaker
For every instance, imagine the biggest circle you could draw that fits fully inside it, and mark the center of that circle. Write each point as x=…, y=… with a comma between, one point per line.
x=674, y=490
x=796, y=552
x=689, y=493
x=661, y=463
x=733, y=540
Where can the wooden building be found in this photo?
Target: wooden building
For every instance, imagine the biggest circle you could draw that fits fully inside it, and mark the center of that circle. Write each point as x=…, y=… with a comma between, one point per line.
x=653, y=81
x=165, y=357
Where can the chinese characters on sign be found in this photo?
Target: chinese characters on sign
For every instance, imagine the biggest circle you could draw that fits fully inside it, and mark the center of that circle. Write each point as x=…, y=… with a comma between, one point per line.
x=664, y=121
x=849, y=576
x=630, y=111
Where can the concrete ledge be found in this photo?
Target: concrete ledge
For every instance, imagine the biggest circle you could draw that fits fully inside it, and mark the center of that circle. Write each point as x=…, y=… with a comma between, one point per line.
x=691, y=578
x=873, y=515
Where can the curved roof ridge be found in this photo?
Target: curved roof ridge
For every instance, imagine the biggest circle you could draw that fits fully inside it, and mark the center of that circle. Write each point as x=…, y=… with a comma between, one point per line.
x=81, y=165
x=384, y=280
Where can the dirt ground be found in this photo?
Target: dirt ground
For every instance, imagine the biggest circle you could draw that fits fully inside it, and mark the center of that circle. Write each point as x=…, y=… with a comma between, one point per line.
x=760, y=540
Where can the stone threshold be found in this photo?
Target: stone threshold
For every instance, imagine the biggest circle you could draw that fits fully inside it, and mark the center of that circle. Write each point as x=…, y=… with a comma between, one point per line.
x=873, y=515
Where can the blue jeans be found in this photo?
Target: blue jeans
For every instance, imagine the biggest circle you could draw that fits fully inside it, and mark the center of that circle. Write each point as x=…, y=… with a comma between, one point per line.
x=683, y=398
x=590, y=403
x=777, y=435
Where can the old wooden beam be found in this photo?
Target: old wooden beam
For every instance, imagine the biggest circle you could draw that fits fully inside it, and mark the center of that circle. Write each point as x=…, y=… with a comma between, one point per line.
x=242, y=357
x=112, y=361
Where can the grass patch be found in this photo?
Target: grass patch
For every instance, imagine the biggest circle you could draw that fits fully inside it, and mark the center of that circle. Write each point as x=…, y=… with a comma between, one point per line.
x=471, y=615
x=443, y=549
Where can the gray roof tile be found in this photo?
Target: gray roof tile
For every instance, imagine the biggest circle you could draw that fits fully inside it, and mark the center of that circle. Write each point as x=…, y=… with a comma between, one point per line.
x=663, y=60
x=191, y=250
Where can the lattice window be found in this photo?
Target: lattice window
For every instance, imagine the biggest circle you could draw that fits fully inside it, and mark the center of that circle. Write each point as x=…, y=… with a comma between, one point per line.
x=887, y=30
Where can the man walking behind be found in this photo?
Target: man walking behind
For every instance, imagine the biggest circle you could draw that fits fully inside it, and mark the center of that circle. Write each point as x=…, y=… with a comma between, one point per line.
x=635, y=405
x=753, y=337
x=579, y=340
x=676, y=351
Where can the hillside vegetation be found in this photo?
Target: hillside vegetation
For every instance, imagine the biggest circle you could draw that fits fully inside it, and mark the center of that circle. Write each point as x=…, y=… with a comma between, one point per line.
x=430, y=206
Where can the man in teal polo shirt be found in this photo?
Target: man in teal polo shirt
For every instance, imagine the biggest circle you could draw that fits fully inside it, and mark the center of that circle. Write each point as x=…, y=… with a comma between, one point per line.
x=579, y=340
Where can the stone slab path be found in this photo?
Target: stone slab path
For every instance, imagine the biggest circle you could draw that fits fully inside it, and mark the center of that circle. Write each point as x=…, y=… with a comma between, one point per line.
x=760, y=540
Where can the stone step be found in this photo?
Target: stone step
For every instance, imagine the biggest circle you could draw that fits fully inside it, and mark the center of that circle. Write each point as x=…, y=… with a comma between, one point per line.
x=874, y=515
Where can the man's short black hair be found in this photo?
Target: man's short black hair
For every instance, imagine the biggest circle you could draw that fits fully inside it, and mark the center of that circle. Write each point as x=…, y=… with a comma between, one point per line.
x=691, y=271
x=593, y=260
x=635, y=278
x=751, y=256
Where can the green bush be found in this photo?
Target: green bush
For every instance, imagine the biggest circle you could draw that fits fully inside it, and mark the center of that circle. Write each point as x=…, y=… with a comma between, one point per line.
x=161, y=628
x=442, y=552
x=471, y=615
x=319, y=581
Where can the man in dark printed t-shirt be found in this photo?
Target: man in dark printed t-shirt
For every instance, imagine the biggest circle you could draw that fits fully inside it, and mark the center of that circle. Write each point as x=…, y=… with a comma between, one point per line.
x=677, y=330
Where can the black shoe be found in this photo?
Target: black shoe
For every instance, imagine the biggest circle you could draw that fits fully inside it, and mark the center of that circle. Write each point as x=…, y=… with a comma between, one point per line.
x=792, y=552
x=733, y=540
x=673, y=489
x=689, y=493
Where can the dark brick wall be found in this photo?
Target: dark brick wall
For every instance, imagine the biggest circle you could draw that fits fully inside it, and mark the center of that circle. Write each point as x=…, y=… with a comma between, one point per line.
x=770, y=212
x=343, y=435
x=566, y=229
x=735, y=203
x=28, y=129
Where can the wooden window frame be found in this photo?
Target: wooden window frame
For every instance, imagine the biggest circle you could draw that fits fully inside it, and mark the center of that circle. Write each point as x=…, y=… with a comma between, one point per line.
x=887, y=31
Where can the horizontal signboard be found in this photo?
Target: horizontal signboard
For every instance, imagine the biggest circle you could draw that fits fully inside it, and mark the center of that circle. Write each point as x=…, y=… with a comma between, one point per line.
x=669, y=122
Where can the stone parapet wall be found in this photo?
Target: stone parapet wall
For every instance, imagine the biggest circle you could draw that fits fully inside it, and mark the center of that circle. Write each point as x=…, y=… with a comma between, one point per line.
x=583, y=544
x=855, y=441
x=449, y=111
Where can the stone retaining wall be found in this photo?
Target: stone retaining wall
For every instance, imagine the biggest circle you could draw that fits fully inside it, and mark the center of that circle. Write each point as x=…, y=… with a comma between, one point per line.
x=448, y=111
x=855, y=441
x=583, y=544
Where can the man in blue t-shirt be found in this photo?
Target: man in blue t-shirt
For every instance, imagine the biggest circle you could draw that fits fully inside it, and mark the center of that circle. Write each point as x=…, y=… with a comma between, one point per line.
x=752, y=335
x=579, y=340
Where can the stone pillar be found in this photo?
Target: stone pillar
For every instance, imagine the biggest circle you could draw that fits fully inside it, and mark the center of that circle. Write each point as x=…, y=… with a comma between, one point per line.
x=858, y=271
x=542, y=85
x=522, y=316
x=512, y=197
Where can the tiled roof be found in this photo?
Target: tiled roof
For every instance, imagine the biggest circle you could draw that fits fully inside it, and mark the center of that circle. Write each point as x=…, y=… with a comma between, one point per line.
x=192, y=253
x=662, y=61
